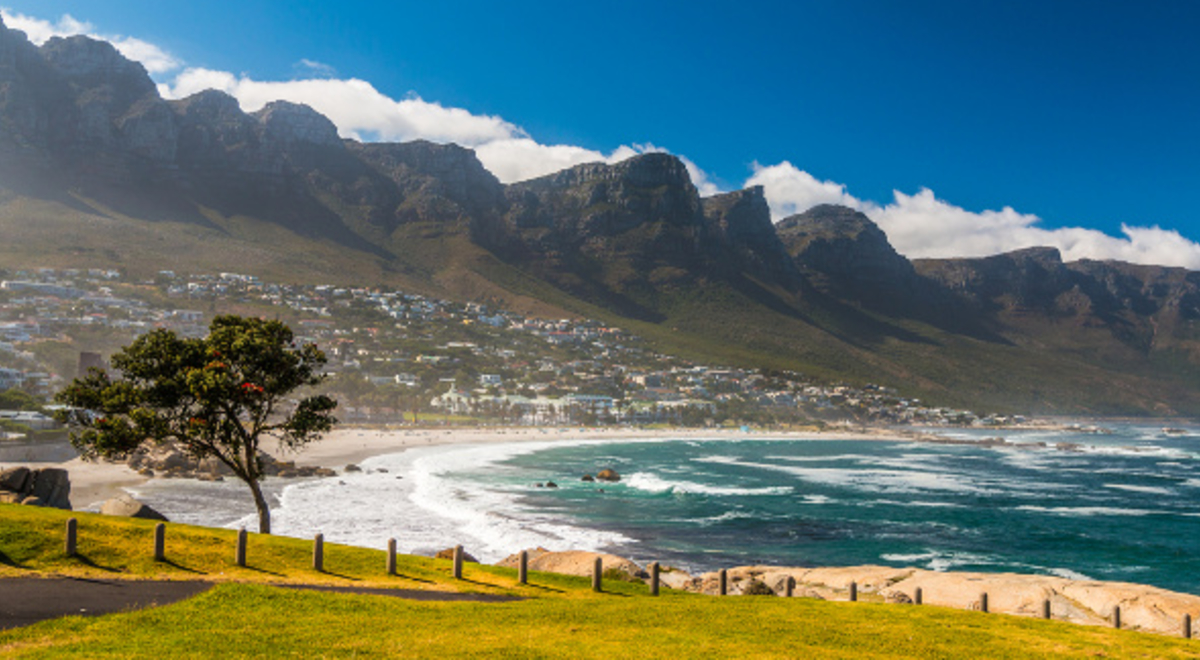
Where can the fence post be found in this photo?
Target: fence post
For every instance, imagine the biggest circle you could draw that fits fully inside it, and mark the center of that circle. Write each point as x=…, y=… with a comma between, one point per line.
x=853, y=592
x=391, y=557
x=70, y=545
x=1046, y=609
x=983, y=603
x=918, y=597
x=1187, y=626
x=160, y=542
x=654, y=579
x=319, y=553
x=1117, y=616
x=523, y=568
x=458, y=562
x=597, y=572
x=722, y=577
x=241, y=547
x=790, y=588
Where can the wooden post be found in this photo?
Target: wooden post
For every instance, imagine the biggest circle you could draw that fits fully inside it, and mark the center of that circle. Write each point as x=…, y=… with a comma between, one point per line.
x=160, y=542
x=69, y=546
x=391, y=557
x=1187, y=626
x=319, y=553
x=597, y=572
x=523, y=568
x=983, y=604
x=918, y=597
x=1117, y=617
x=1046, y=609
x=654, y=579
x=722, y=577
x=853, y=592
x=241, y=547
x=790, y=588
x=458, y=562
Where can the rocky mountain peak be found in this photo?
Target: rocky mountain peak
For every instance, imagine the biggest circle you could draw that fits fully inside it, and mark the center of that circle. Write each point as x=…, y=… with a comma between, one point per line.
x=295, y=122
x=649, y=170
x=90, y=63
x=208, y=104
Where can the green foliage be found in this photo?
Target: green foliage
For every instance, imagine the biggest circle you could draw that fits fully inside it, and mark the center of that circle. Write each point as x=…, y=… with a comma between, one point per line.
x=215, y=396
x=15, y=399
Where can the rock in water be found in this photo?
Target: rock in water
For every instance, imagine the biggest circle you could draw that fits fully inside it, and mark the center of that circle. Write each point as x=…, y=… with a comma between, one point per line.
x=608, y=474
x=448, y=553
x=125, y=505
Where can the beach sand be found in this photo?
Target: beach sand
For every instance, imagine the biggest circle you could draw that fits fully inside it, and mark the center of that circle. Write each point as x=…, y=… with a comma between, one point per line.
x=93, y=482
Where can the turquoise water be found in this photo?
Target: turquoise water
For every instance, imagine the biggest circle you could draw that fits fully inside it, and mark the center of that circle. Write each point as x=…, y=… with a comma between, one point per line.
x=1120, y=507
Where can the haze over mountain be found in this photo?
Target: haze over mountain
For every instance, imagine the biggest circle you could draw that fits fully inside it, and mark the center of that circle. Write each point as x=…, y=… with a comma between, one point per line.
x=97, y=169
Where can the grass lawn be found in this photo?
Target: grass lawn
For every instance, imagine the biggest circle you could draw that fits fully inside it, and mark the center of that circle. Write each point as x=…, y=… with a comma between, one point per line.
x=560, y=616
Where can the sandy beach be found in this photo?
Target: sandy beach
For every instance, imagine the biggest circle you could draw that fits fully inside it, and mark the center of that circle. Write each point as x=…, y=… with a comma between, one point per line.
x=93, y=482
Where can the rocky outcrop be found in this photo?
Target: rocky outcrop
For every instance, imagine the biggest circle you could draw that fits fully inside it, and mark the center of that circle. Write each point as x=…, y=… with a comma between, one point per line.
x=126, y=506
x=170, y=461
x=1089, y=602
x=575, y=562
x=49, y=487
x=608, y=474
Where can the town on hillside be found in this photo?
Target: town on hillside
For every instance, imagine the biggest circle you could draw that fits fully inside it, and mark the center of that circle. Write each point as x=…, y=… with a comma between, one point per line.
x=396, y=357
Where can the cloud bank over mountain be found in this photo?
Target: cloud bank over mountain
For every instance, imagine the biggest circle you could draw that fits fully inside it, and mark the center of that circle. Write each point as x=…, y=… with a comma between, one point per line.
x=918, y=225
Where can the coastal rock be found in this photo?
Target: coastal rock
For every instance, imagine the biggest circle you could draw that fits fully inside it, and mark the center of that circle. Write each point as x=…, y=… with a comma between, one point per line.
x=125, y=505
x=352, y=468
x=1089, y=602
x=14, y=479
x=588, y=478
x=608, y=474
x=45, y=487
x=448, y=553
x=575, y=562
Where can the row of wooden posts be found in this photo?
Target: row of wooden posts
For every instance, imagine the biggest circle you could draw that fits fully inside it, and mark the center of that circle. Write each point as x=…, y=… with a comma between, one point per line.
x=318, y=564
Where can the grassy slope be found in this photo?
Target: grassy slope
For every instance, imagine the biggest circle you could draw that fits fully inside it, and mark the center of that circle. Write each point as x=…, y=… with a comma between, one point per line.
x=561, y=617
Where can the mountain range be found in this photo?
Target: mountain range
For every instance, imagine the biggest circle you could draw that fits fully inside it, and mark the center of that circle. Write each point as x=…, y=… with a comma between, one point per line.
x=97, y=169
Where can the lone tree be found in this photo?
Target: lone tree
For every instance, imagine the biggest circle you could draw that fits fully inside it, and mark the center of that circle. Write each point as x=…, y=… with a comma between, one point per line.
x=216, y=396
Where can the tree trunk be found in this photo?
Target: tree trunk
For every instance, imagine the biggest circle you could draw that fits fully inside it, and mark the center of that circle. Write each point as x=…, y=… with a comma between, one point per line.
x=260, y=502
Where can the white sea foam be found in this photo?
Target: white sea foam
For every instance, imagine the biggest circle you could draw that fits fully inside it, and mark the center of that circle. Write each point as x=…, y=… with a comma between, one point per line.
x=652, y=483
x=434, y=503
x=1066, y=573
x=1154, y=490
x=1087, y=510
x=940, y=560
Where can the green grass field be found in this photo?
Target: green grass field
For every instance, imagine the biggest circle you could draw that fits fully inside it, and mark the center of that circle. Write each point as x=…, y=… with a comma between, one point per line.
x=244, y=616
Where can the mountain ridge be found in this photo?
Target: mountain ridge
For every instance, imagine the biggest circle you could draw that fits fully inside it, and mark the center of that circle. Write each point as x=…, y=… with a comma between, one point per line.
x=86, y=141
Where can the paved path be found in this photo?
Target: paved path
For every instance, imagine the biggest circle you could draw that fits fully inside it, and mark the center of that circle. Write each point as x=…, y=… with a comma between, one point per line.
x=24, y=601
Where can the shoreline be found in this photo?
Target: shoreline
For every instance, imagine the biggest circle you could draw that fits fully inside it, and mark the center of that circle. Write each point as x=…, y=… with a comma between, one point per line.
x=93, y=482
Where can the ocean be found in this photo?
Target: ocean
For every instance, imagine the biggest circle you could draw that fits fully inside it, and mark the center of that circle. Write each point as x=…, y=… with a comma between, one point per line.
x=1119, y=506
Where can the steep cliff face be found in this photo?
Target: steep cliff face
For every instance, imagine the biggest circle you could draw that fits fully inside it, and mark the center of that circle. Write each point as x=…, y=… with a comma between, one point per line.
x=625, y=224
x=740, y=222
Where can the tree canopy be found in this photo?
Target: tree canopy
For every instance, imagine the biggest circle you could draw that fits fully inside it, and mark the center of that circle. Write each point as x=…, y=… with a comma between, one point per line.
x=216, y=396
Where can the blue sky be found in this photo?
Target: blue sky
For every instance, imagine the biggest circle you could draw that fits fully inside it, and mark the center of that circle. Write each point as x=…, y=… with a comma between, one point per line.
x=962, y=128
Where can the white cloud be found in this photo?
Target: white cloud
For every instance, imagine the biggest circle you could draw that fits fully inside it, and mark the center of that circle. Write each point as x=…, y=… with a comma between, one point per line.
x=155, y=59
x=923, y=226
x=790, y=190
x=316, y=69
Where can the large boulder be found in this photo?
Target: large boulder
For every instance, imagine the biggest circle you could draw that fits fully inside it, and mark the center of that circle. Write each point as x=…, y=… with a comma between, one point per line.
x=448, y=553
x=608, y=474
x=46, y=487
x=14, y=479
x=125, y=505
